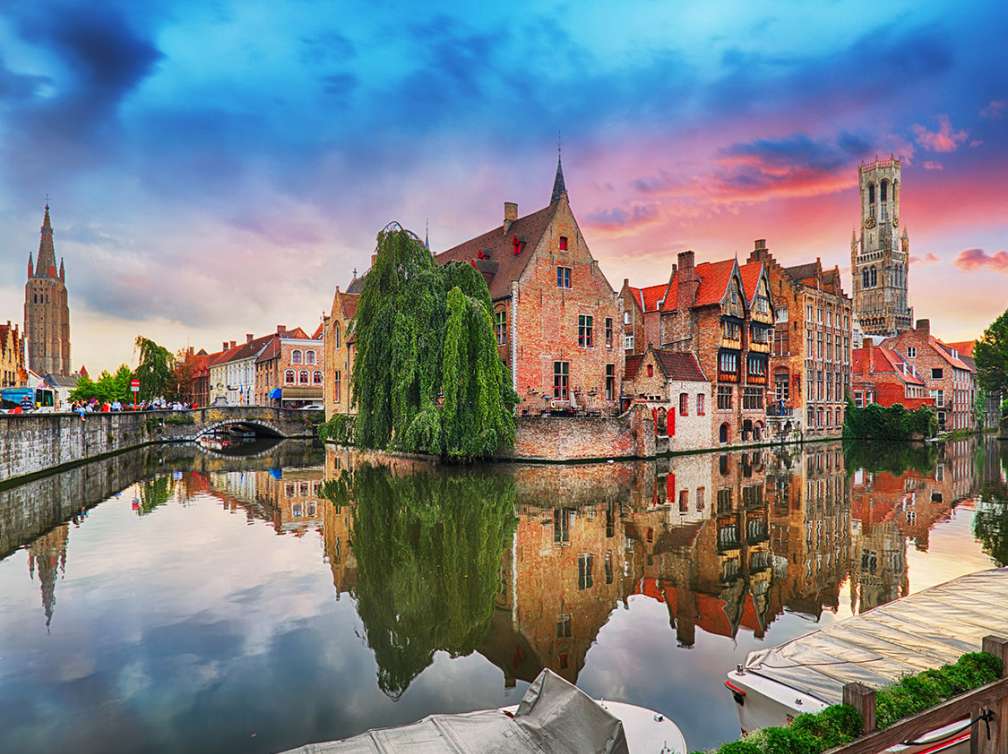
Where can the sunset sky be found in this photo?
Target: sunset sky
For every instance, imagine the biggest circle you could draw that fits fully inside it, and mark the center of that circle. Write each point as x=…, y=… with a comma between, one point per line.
x=217, y=168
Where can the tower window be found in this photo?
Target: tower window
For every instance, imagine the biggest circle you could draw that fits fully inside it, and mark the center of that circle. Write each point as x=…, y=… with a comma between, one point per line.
x=884, y=190
x=871, y=193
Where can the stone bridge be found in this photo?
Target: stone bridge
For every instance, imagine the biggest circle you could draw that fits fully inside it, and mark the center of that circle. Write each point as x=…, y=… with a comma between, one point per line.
x=32, y=444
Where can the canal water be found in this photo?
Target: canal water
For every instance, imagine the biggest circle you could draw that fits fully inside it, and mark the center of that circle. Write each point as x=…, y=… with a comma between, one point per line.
x=186, y=599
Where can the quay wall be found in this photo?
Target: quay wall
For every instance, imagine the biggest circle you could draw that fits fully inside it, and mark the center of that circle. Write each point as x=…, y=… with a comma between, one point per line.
x=41, y=442
x=579, y=438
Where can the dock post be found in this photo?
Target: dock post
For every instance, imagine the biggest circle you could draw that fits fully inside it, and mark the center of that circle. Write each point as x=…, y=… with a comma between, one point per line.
x=998, y=740
x=861, y=698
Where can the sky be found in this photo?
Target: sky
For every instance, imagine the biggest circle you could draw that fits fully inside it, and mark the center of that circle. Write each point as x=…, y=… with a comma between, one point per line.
x=218, y=168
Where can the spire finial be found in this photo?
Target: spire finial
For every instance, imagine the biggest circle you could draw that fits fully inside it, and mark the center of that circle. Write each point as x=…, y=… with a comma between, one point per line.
x=426, y=241
x=559, y=187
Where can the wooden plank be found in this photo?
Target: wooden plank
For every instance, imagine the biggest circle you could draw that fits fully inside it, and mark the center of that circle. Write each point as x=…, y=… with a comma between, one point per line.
x=861, y=698
x=958, y=708
x=997, y=741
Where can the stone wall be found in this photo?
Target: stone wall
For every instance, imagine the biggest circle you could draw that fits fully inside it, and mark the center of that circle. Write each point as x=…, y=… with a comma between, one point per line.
x=567, y=438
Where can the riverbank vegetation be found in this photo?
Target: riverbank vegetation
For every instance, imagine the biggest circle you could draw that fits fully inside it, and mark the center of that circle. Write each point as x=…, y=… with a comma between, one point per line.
x=991, y=356
x=875, y=422
x=427, y=377
x=840, y=724
x=894, y=458
x=161, y=375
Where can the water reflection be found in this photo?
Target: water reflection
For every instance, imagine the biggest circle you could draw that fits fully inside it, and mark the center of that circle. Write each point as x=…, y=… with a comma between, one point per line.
x=626, y=578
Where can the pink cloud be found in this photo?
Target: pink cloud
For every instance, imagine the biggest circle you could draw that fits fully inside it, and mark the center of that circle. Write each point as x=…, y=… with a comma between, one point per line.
x=619, y=220
x=929, y=258
x=995, y=108
x=974, y=259
x=942, y=140
x=932, y=165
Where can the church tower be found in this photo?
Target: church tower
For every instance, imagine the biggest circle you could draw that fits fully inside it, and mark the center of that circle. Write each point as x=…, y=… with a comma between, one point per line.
x=47, y=311
x=880, y=256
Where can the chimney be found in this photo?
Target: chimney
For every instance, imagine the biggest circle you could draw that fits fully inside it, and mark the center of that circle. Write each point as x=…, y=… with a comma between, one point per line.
x=281, y=330
x=248, y=337
x=689, y=281
x=626, y=284
x=374, y=259
x=224, y=346
x=510, y=214
x=759, y=251
x=924, y=326
x=232, y=344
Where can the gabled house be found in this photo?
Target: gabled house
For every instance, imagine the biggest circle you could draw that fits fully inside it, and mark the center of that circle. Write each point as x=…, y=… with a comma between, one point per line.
x=882, y=376
x=339, y=353
x=674, y=386
x=12, y=366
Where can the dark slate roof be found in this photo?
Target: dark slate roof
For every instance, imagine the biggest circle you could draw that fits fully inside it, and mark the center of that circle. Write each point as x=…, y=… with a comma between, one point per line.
x=357, y=284
x=62, y=380
x=559, y=187
x=492, y=253
x=801, y=271
x=680, y=365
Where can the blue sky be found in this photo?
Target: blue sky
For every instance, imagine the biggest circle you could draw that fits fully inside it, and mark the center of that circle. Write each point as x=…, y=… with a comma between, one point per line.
x=218, y=168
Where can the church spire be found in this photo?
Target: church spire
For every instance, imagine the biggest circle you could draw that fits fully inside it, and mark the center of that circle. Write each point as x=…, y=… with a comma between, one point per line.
x=426, y=239
x=31, y=264
x=46, y=266
x=559, y=188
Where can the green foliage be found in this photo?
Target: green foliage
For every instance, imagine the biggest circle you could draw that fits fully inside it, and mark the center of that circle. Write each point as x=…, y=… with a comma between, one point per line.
x=875, y=422
x=424, y=332
x=991, y=356
x=428, y=550
x=339, y=429
x=990, y=526
x=840, y=724
x=154, y=493
x=895, y=458
x=155, y=370
x=108, y=387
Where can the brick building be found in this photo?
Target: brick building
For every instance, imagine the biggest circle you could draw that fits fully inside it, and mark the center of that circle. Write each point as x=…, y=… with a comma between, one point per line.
x=555, y=314
x=880, y=375
x=947, y=378
x=46, y=309
x=672, y=384
x=339, y=353
x=12, y=366
x=291, y=366
x=990, y=411
x=724, y=314
x=810, y=363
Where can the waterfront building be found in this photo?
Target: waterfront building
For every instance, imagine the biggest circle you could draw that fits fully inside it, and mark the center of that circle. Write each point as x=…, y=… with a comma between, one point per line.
x=724, y=315
x=12, y=366
x=61, y=385
x=880, y=375
x=291, y=366
x=47, y=312
x=990, y=411
x=948, y=379
x=810, y=364
x=339, y=353
x=880, y=255
x=674, y=386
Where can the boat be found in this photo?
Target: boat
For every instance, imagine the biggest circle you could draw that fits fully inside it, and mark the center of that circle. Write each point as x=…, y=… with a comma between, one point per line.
x=553, y=716
x=926, y=630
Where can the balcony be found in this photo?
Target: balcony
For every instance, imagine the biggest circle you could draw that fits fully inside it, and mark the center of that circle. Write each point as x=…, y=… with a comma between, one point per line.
x=775, y=409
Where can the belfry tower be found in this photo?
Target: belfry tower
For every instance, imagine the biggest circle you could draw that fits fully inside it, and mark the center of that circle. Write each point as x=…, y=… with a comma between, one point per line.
x=47, y=312
x=880, y=257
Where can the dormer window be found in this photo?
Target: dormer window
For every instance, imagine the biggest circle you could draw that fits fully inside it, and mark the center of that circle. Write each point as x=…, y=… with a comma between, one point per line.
x=563, y=243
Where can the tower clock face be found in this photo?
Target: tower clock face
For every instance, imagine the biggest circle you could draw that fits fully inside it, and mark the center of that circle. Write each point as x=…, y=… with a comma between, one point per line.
x=869, y=223
x=895, y=222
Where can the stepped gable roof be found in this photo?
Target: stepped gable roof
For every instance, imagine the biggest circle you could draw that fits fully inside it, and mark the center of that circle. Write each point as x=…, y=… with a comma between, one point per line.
x=499, y=264
x=714, y=278
x=750, y=272
x=632, y=366
x=679, y=365
x=650, y=297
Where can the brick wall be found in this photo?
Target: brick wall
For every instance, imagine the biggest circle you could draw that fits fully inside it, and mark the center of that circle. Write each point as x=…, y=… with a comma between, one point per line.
x=562, y=438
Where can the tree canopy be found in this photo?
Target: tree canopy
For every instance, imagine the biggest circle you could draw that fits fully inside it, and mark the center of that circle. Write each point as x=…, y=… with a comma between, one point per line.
x=108, y=387
x=426, y=376
x=155, y=369
x=991, y=356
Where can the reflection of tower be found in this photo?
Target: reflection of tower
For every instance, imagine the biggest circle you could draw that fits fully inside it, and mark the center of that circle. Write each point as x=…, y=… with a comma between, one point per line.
x=45, y=555
x=882, y=572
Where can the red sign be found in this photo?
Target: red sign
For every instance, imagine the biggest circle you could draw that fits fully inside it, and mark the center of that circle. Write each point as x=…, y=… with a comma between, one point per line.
x=134, y=383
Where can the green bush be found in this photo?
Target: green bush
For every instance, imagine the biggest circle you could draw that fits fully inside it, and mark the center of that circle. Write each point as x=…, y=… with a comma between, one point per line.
x=339, y=429
x=841, y=724
x=875, y=422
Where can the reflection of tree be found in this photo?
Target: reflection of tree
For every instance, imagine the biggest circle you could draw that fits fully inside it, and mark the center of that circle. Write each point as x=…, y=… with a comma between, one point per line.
x=991, y=527
x=154, y=493
x=897, y=457
x=428, y=550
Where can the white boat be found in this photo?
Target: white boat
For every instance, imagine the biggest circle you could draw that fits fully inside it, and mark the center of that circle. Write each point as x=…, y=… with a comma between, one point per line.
x=877, y=648
x=553, y=717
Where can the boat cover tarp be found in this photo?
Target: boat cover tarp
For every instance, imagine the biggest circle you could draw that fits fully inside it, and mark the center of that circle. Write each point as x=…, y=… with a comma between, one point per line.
x=553, y=716
x=923, y=631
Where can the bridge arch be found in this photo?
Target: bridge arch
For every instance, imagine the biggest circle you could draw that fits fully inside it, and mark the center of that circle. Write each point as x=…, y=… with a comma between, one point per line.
x=260, y=426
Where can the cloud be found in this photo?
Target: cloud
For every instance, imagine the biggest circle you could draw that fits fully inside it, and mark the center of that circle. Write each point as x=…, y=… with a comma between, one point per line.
x=974, y=259
x=19, y=86
x=929, y=258
x=994, y=109
x=932, y=165
x=618, y=219
x=942, y=140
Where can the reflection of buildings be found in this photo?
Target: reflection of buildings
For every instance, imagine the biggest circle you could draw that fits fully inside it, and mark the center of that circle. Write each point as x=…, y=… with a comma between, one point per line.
x=47, y=558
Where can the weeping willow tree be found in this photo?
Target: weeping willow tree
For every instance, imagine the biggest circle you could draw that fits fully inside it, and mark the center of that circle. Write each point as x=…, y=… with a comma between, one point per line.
x=428, y=550
x=426, y=375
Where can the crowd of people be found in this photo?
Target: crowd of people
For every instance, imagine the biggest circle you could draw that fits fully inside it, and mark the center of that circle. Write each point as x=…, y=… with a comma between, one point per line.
x=94, y=406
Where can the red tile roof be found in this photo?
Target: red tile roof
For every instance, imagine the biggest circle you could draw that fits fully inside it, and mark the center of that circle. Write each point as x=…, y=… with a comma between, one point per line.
x=493, y=252
x=318, y=332
x=946, y=353
x=348, y=302
x=964, y=347
x=680, y=365
x=650, y=297
x=882, y=359
x=714, y=277
x=750, y=272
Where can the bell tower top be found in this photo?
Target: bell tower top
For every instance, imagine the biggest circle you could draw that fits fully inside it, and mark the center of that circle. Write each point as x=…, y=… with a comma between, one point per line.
x=879, y=183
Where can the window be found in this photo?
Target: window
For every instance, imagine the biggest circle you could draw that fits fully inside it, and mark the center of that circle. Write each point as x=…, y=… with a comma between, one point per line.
x=563, y=243
x=874, y=277
x=782, y=385
x=585, y=571
x=752, y=398
x=336, y=334
x=607, y=564
x=317, y=377
x=731, y=330
x=808, y=313
x=563, y=277
x=700, y=498
x=500, y=326
x=561, y=525
x=724, y=432
x=563, y=630
x=683, y=501
x=756, y=366
x=759, y=334
x=728, y=362
x=857, y=399
x=289, y=377
x=724, y=398
x=781, y=315
x=608, y=332
x=650, y=370
x=936, y=374
x=628, y=342
x=337, y=385
x=683, y=404
x=309, y=357
x=561, y=379
x=585, y=330
x=626, y=318
x=295, y=356
x=939, y=396
x=610, y=382
x=762, y=304
x=700, y=404
x=911, y=352
x=819, y=315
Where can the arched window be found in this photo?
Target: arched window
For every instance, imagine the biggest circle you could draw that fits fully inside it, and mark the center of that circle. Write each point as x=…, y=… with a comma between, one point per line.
x=317, y=377
x=336, y=334
x=874, y=277
x=871, y=193
x=303, y=377
x=724, y=433
x=864, y=278
x=289, y=377
x=295, y=356
x=650, y=370
x=884, y=190
x=309, y=357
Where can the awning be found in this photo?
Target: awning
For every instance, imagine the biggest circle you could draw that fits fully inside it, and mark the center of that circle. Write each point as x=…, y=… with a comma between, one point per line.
x=303, y=393
x=275, y=393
